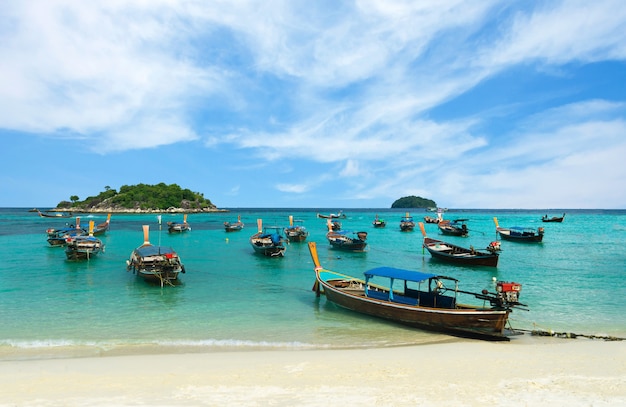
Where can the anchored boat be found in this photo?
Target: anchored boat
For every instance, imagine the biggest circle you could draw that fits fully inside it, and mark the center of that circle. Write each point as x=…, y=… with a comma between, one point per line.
x=155, y=263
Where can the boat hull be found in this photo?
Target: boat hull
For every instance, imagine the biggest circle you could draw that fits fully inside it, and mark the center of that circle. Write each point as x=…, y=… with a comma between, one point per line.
x=407, y=226
x=507, y=234
x=350, y=246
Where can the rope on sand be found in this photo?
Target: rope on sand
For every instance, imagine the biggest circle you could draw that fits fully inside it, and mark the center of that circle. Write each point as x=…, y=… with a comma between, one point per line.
x=570, y=335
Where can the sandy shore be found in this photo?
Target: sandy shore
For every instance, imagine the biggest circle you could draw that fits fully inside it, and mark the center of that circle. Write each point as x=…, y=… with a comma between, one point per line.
x=527, y=372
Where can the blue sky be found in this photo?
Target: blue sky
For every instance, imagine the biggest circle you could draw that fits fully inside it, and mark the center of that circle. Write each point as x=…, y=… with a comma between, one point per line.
x=323, y=104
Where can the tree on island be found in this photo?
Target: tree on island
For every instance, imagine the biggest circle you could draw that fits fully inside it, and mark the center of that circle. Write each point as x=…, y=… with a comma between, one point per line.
x=414, y=202
x=142, y=197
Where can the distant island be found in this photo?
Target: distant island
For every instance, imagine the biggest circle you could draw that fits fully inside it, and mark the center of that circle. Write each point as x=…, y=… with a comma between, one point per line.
x=413, y=202
x=141, y=198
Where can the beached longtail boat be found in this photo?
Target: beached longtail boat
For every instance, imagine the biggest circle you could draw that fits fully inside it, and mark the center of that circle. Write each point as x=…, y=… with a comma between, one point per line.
x=83, y=247
x=295, y=233
x=420, y=300
x=519, y=234
x=454, y=254
x=268, y=241
x=155, y=263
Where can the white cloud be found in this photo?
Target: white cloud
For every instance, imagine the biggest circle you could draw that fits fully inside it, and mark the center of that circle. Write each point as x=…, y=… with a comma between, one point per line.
x=352, y=86
x=562, y=32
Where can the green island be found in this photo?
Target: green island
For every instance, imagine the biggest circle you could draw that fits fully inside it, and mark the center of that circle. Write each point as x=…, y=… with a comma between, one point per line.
x=413, y=202
x=141, y=198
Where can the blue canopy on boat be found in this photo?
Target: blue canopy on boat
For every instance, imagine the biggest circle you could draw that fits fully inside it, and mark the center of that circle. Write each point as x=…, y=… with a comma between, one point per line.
x=400, y=274
x=150, y=250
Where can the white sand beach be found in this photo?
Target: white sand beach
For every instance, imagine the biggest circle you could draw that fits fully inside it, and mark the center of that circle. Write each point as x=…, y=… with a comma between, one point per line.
x=528, y=371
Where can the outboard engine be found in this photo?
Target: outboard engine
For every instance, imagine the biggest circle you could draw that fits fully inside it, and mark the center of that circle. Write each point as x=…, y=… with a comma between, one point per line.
x=508, y=293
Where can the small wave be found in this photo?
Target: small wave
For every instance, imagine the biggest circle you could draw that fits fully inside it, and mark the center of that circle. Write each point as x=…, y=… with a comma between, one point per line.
x=69, y=347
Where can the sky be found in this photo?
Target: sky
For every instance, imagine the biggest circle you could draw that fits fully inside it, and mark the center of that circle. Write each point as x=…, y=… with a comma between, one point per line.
x=316, y=104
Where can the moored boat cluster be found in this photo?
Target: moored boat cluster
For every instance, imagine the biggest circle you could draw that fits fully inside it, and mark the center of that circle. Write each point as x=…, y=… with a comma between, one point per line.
x=422, y=300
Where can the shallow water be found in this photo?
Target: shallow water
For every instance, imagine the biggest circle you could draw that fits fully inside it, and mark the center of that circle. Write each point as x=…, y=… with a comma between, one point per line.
x=232, y=299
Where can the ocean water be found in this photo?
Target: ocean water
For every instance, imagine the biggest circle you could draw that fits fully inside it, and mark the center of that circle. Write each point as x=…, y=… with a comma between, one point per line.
x=233, y=299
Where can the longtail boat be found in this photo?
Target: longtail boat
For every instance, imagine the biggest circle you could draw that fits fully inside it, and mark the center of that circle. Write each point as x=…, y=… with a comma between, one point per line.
x=234, y=226
x=339, y=215
x=379, y=223
x=49, y=214
x=451, y=253
x=558, y=219
x=83, y=247
x=158, y=264
x=176, y=227
x=420, y=300
x=456, y=227
x=58, y=237
x=268, y=241
x=519, y=234
x=103, y=227
x=295, y=233
x=406, y=223
x=345, y=239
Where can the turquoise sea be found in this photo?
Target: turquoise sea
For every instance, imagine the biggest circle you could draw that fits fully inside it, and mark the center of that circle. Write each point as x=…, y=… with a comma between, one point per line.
x=232, y=299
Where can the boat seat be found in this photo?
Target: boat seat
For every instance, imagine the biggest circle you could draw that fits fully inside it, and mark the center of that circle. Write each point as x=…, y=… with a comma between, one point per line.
x=404, y=299
x=379, y=295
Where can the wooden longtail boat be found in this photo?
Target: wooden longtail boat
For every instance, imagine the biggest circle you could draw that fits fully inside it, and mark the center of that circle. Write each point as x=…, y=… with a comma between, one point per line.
x=295, y=233
x=268, y=241
x=83, y=247
x=558, y=219
x=339, y=215
x=54, y=214
x=346, y=240
x=379, y=223
x=519, y=234
x=58, y=237
x=420, y=300
x=430, y=219
x=406, y=223
x=234, y=226
x=459, y=255
x=157, y=264
x=103, y=227
x=175, y=227
x=455, y=227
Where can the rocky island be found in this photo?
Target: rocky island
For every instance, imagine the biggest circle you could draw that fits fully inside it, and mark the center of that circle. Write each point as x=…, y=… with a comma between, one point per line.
x=141, y=198
x=409, y=202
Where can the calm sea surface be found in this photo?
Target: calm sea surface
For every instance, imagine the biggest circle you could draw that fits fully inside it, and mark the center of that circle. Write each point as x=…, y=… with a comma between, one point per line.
x=233, y=299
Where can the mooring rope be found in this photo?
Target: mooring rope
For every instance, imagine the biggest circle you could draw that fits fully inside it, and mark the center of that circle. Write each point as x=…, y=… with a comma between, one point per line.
x=567, y=335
